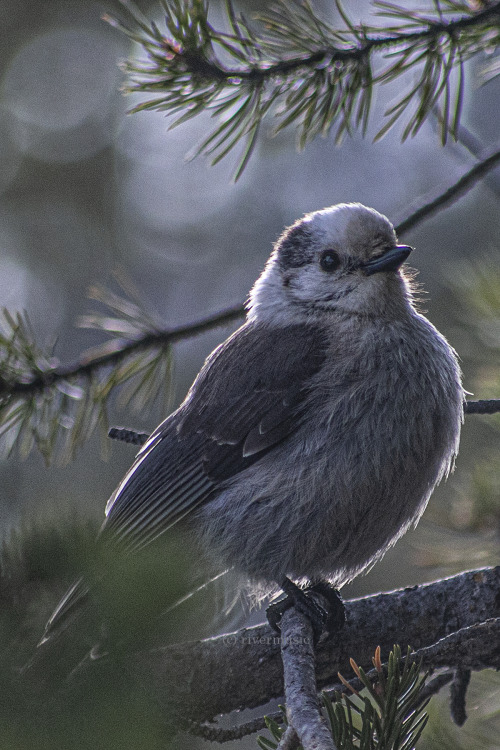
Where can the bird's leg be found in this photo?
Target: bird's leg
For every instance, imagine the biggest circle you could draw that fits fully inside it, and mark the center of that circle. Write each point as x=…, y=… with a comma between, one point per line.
x=320, y=602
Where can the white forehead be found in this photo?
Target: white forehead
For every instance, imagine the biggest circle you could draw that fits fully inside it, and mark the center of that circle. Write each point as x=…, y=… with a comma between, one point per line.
x=336, y=223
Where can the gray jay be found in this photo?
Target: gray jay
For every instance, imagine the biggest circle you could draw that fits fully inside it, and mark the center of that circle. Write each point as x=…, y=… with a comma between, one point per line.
x=313, y=437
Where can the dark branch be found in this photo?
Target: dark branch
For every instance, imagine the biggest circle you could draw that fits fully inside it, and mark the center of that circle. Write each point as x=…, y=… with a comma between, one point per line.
x=198, y=64
x=452, y=194
x=457, y=697
x=213, y=733
x=436, y=684
x=467, y=140
x=126, y=435
x=448, y=622
x=86, y=365
x=486, y=406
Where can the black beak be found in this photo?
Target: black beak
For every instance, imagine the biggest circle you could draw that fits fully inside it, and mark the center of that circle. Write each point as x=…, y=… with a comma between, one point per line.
x=391, y=260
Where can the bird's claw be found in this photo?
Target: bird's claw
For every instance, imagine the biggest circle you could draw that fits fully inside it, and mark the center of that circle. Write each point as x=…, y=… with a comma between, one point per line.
x=321, y=603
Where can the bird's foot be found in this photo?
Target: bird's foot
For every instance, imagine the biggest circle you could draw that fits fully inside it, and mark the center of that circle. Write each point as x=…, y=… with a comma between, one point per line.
x=320, y=602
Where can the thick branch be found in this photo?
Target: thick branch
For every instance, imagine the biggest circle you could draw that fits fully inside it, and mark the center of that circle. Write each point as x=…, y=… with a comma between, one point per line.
x=200, y=680
x=474, y=647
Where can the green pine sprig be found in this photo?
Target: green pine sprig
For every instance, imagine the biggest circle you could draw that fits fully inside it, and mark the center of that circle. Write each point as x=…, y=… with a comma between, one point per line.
x=295, y=66
x=388, y=713
x=55, y=409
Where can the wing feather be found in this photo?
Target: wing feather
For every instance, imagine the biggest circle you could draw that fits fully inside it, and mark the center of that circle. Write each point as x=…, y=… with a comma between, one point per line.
x=245, y=400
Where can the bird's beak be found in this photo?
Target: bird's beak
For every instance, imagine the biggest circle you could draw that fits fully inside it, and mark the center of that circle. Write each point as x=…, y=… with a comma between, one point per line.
x=391, y=260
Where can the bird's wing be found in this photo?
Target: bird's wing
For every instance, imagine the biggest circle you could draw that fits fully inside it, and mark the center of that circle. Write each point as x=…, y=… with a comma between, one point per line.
x=245, y=400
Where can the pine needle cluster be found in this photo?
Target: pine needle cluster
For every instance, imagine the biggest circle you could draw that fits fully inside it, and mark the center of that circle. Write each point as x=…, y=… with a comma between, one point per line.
x=55, y=409
x=388, y=713
x=305, y=71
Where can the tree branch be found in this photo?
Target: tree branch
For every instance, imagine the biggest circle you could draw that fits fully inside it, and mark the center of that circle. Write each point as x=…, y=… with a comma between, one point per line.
x=305, y=721
x=201, y=680
x=465, y=139
x=486, y=406
x=214, y=71
x=458, y=694
x=300, y=68
x=126, y=435
x=451, y=194
x=107, y=355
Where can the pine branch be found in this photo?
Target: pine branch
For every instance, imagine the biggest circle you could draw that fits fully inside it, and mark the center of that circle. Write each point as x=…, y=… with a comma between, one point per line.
x=56, y=407
x=107, y=355
x=301, y=70
x=452, y=194
x=386, y=712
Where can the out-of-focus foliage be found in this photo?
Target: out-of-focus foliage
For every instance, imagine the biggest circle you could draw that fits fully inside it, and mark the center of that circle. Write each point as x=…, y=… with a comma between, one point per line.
x=482, y=728
x=387, y=714
x=478, y=284
x=306, y=72
x=49, y=698
x=476, y=506
x=55, y=409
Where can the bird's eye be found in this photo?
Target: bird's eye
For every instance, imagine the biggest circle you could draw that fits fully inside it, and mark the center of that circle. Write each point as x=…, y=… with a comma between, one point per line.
x=330, y=261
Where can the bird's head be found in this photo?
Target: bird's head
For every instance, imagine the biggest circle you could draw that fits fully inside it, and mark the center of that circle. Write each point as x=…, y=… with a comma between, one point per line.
x=344, y=259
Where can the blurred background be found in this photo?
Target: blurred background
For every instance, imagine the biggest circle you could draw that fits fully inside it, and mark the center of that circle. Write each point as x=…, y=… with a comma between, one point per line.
x=86, y=189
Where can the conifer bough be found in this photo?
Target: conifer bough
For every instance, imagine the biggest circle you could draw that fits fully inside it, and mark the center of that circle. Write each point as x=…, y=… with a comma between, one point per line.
x=305, y=72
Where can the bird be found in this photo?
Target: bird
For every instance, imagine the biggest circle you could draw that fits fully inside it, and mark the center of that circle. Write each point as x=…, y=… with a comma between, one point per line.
x=312, y=438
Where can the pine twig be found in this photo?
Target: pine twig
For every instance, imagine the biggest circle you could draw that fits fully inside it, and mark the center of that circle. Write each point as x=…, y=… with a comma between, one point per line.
x=484, y=406
x=490, y=406
x=86, y=365
x=125, y=435
x=471, y=143
x=458, y=694
x=451, y=194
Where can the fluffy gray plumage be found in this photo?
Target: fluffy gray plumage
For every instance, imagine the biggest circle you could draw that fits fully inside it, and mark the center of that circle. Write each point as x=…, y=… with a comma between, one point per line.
x=313, y=437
